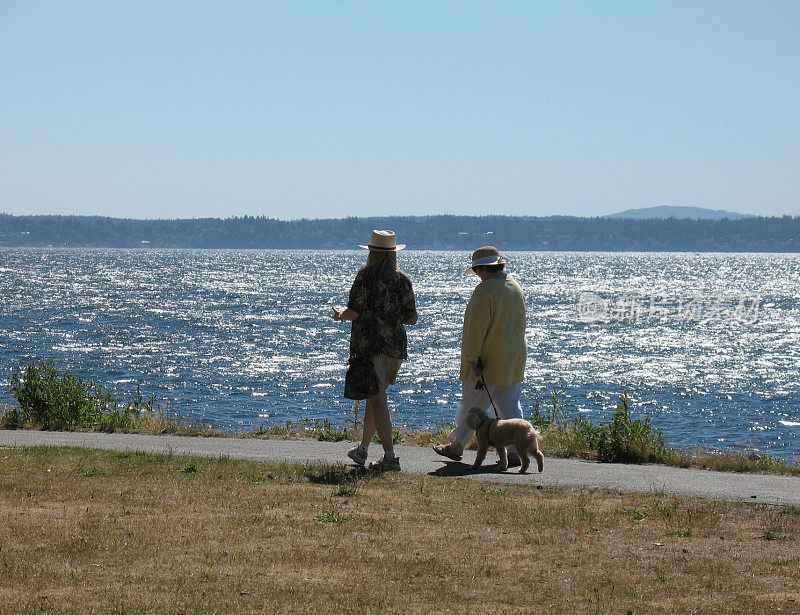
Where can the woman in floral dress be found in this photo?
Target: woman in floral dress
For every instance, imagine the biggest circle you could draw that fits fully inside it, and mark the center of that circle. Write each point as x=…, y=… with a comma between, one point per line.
x=381, y=302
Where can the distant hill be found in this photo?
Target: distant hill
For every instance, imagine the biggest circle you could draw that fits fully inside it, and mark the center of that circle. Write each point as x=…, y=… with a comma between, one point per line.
x=466, y=233
x=691, y=213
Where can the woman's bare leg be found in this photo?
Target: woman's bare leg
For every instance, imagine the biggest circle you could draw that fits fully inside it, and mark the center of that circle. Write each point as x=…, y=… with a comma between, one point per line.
x=381, y=420
x=369, y=424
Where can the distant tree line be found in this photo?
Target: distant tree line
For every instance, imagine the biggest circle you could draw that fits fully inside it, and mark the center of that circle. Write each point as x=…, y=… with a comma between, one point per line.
x=758, y=234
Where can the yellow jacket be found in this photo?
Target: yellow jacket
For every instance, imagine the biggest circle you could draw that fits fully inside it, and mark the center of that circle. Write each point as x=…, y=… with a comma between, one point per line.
x=494, y=330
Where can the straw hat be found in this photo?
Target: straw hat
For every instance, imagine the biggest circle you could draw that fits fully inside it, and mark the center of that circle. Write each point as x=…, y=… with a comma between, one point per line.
x=383, y=241
x=487, y=255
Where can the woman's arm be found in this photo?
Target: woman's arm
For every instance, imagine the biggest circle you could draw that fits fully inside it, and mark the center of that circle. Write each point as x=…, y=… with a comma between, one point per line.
x=410, y=316
x=347, y=314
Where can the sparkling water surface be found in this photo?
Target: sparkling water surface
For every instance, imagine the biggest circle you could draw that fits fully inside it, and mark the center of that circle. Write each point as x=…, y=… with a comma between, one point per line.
x=705, y=344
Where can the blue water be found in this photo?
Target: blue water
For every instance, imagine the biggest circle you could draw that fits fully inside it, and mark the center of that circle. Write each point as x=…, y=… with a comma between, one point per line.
x=705, y=344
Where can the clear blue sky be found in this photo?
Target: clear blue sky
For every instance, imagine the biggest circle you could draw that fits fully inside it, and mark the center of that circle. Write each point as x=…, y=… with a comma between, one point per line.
x=332, y=109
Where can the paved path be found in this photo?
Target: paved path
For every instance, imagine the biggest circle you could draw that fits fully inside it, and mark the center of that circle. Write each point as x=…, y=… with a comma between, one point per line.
x=783, y=490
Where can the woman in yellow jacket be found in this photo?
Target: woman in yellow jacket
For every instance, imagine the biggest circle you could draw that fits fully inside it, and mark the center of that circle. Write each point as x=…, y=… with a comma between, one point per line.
x=492, y=345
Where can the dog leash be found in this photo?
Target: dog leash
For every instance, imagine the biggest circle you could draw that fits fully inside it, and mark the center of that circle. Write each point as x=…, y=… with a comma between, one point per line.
x=481, y=384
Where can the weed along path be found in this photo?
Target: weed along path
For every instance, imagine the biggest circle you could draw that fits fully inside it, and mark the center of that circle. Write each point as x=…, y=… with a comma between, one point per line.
x=572, y=473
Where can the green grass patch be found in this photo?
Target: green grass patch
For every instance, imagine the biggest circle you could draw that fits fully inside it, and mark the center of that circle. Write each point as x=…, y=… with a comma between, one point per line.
x=774, y=535
x=193, y=467
x=330, y=516
x=634, y=513
x=345, y=490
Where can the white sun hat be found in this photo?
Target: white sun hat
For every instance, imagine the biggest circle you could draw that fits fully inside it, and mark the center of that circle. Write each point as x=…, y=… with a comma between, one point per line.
x=383, y=241
x=487, y=255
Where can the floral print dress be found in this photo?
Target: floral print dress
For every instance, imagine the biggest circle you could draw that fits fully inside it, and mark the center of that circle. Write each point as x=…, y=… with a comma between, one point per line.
x=383, y=305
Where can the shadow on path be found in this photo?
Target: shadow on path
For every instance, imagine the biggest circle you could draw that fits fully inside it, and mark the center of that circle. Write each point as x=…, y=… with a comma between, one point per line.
x=459, y=468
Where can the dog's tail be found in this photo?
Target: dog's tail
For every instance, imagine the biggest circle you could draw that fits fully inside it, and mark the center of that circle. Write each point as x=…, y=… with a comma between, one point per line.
x=536, y=451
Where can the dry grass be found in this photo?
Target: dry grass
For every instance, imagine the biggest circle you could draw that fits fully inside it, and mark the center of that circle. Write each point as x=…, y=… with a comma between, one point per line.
x=749, y=463
x=102, y=532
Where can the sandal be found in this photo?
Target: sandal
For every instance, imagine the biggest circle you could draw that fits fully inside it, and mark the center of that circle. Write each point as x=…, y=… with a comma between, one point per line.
x=444, y=451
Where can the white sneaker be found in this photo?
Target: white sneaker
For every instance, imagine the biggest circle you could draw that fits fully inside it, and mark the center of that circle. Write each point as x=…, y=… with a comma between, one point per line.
x=386, y=465
x=358, y=454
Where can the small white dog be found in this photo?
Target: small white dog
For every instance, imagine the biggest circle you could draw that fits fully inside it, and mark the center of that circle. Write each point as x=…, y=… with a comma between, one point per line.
x=502, y=432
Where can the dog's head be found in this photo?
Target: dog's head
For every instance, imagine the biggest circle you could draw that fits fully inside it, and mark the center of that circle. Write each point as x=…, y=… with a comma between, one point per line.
x=475, y=417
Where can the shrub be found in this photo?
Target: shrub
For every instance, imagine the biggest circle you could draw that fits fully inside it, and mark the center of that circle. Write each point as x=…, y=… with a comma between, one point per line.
x=565, y=437
x=555, y=415
x=624, y=440
x=49, y=400
x=397, y=437
x=52, y=401
x=325, y=431
x=10, y=419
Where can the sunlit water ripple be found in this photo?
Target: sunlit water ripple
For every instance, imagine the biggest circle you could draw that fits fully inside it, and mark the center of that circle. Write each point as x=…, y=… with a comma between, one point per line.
x=239, y=339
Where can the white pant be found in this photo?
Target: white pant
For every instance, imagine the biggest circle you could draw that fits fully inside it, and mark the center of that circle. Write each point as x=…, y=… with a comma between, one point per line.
x=505, y=398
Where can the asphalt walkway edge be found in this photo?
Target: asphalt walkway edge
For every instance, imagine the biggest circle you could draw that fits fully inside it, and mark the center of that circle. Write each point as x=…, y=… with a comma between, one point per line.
x=570, y=473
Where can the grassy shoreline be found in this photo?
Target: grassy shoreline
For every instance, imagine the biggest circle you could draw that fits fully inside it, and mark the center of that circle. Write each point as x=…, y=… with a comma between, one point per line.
x=107, y=532
x=53, y=401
